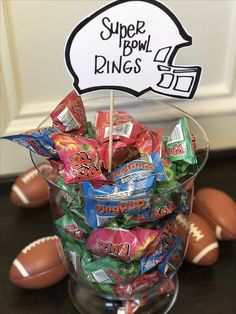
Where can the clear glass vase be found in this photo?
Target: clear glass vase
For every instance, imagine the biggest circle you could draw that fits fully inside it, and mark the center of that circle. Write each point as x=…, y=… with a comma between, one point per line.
x=155, y=291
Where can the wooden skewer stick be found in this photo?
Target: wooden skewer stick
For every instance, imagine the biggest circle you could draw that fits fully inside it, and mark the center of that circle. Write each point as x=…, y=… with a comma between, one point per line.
x=111, y=130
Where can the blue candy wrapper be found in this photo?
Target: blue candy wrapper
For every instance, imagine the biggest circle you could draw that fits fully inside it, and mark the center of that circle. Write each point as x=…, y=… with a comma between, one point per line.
x=104, y=203
x=38, y=141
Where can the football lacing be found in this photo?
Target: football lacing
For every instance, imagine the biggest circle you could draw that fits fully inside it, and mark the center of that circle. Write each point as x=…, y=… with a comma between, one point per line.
x=196, y=232
x=183, y=221
x=30, y=175
x=37, y=242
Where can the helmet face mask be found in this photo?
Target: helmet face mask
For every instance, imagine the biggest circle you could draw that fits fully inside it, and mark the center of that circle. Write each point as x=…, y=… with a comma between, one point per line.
x=179, y=82
x=132, y=47
x=175, y=81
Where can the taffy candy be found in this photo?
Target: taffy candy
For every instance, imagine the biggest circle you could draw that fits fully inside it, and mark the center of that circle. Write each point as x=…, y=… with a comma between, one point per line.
x=127, y=245
x=179, y=145
x=37, y=140
x=70, y=115
x=79, y=156
x=125, y=128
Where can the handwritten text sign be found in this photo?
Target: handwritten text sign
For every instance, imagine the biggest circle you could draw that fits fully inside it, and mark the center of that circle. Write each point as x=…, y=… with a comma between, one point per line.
x=130, y=45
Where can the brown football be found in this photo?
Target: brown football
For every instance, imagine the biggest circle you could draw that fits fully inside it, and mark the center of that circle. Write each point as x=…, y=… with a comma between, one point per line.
x=219, y=210
x=30, y=189
x=39, y=265
x=202, y=247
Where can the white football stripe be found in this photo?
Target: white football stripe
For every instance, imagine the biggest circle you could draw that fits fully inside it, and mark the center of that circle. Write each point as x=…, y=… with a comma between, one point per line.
x=21, y=195
x=207, y=249
x=218, y=232
x=21, y=268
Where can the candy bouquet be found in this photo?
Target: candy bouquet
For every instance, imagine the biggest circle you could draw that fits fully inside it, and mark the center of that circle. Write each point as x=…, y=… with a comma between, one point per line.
x=122, y=230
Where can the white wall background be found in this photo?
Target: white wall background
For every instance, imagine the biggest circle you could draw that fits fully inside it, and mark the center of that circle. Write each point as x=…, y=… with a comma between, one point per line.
x=34, y=78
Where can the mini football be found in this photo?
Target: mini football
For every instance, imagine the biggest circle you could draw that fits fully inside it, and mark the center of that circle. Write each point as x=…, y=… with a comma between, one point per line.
x=30, y=190
x=202, y=247
x=39, y=265
x=219, y=210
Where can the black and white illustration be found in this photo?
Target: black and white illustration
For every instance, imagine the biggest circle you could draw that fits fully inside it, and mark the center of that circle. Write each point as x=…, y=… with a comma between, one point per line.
x=130, y=45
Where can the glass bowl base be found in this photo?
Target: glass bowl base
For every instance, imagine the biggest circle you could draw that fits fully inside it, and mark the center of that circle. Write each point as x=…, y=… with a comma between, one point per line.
x=86, y=302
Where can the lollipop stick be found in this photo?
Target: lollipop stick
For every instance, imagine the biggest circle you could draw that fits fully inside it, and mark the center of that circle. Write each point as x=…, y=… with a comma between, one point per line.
x=111, y=130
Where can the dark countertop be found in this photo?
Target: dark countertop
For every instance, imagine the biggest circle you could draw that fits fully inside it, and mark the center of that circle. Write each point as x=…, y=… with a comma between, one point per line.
x=210, y=290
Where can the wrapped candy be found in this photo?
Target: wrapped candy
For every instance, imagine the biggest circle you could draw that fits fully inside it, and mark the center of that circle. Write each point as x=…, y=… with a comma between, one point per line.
x=125, y=128
x=79, y=156
x=179, y=145
x=70, y=115
x=127, y=245
x=37, y=140
x=104, y=203
x=121, y=153
x=102, y=270
x=69, y=229
x=118, y=228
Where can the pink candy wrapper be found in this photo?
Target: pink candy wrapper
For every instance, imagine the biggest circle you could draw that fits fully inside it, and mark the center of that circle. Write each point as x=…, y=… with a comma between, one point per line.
x=127, y=245
x=80, y=158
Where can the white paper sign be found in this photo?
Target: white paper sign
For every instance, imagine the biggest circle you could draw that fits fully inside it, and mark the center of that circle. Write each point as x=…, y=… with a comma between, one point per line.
x=130, y=45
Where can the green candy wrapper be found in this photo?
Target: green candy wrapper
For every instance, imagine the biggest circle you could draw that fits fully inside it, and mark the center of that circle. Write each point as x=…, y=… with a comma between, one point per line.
x=126, y=221
x=91, y=133
x=70, y=230
x=179, y=145
x=70, y=201
x=105, y=270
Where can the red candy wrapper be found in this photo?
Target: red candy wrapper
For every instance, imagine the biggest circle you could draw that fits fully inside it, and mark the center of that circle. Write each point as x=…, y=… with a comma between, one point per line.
x=144, y=142
x=121, y=154
x=149, y=141
x=80, y=158
x=127, y=245
x=70, y=115
x=125, y=128
x=139, y=284
x=131, y=306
